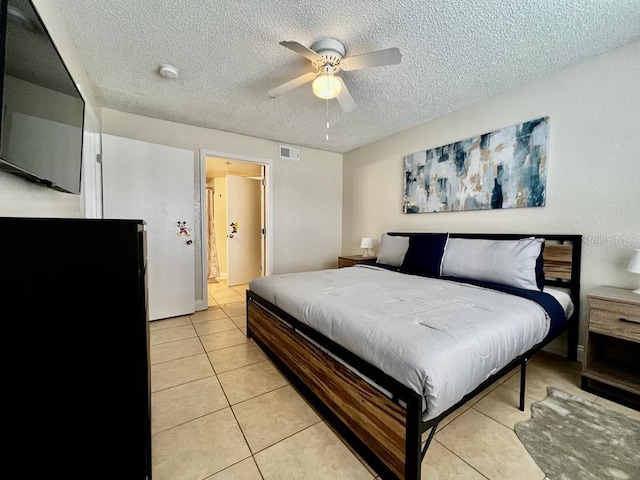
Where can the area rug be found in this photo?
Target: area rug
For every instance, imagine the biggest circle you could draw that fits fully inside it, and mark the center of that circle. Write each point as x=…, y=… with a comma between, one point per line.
x=574, y=439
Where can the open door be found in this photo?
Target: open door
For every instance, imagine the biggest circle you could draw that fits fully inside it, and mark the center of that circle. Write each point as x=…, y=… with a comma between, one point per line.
x=244, y=234
x=155, y=183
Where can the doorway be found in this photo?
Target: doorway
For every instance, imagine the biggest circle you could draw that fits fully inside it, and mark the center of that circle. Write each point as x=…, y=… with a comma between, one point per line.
x=235, y=217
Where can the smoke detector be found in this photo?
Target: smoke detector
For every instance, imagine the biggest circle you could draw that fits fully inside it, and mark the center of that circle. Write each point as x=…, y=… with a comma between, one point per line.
x=168, y=71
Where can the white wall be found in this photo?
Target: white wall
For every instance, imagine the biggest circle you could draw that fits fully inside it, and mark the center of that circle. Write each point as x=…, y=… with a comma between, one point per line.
x=307, y=195
x=220, y=222
x=594, y=167
x=21, y=198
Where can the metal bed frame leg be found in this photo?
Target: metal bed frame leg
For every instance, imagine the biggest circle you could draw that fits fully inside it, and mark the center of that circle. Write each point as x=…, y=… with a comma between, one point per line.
x=428, y=442
x=523, y=381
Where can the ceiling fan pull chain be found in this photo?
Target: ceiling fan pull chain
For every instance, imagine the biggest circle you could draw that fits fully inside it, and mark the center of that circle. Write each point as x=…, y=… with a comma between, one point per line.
x=327, y=120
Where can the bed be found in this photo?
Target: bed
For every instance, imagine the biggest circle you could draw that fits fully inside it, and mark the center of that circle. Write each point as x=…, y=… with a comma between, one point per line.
x=386, y=351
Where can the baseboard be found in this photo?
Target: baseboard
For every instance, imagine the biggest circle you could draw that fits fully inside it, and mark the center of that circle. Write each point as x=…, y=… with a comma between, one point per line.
x=201, y=305
x=559, y=347
x=580, y=353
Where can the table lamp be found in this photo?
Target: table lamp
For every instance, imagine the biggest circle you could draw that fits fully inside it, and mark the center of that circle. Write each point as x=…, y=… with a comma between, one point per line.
x=634, y=265
x=366, y=244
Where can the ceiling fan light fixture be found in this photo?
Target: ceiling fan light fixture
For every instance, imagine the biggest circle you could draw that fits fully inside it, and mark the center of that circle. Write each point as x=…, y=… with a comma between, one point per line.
x=326, y=86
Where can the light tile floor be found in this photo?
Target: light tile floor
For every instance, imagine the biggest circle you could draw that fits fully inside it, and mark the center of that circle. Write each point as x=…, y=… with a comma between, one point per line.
x=222, y=411
x=221, y=294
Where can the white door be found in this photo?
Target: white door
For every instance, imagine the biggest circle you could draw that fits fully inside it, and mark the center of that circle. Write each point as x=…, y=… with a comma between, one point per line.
x=155, y=183
x=244, y=234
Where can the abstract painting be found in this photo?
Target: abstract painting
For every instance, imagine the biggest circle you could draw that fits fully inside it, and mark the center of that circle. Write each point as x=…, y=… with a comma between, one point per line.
x=506, y=168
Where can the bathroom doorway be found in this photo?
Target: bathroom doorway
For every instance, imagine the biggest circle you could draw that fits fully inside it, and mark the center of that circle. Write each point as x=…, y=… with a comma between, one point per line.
x=235, y=226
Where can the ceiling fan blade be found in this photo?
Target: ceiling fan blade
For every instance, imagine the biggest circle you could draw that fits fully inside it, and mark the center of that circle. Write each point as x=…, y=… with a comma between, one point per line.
x=291, y=84
x=302, y=50
x=344, y=98
x=390, y=56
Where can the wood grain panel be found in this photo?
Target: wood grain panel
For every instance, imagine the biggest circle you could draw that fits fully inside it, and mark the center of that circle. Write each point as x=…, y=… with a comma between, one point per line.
x=557, y=261
x=604, y=317
x=372, y=416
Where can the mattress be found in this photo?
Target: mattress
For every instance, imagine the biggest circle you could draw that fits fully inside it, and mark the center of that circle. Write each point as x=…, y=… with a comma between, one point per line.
x=438, y=337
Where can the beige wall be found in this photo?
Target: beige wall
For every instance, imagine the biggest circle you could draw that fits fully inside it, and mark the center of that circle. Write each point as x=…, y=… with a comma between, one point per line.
x=21, y=198
x=307, y=195
x=594, y=166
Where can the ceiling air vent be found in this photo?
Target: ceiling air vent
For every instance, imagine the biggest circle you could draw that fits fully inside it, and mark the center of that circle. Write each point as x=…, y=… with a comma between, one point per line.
x=290, y=153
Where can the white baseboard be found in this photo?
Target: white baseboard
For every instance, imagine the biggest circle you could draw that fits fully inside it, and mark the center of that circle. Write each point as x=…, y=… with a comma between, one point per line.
x=560, y=348
x=580, y=353
x=201, y=305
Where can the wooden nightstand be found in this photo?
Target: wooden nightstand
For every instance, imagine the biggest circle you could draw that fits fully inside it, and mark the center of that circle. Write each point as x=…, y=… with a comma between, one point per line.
x=612, y=353
x=351, y=260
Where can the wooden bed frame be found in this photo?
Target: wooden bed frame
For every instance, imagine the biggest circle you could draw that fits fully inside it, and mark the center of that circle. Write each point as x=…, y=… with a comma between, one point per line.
x=386, y=432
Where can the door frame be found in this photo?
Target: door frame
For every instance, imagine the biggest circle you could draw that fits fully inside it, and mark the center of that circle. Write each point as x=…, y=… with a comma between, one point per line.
x=268, y=197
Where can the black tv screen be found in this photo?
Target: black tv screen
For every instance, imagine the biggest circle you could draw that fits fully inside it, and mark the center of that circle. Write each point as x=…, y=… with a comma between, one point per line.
x=42, y=109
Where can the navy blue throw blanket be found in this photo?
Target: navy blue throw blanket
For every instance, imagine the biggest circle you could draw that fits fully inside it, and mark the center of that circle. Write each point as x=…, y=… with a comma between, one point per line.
x=546, y=301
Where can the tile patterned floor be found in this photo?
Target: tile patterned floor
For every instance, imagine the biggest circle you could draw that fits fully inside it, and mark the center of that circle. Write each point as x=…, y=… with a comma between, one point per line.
x=222, y=411
x=221, y=294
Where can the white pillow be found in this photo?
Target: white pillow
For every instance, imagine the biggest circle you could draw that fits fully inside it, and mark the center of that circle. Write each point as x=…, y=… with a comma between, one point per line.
x=508, y=262
x=392, y=250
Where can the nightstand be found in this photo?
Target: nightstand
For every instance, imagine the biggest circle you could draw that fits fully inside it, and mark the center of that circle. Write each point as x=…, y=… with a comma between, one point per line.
x=351, y=260
x=612, y=352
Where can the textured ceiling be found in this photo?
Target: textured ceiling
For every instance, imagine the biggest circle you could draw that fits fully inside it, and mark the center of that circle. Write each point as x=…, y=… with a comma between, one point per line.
x=227, y=52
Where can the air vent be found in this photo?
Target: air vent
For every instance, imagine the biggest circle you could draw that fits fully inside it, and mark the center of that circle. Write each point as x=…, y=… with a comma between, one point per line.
x=289, y=153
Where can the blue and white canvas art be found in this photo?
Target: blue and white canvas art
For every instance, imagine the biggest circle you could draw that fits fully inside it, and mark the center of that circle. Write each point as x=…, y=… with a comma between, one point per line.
x=506, y=168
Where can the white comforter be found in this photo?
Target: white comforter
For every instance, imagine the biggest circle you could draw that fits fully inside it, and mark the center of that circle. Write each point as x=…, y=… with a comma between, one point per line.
x=439, y=338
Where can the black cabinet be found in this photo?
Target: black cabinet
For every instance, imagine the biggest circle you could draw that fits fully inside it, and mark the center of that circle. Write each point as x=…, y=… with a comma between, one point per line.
x=75, y=355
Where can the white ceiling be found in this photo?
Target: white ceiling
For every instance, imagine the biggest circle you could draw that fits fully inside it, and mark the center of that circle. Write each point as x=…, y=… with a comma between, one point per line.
x=227, y=52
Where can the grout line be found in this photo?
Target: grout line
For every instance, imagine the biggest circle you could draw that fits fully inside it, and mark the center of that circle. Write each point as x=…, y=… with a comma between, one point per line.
x=231, y=346
x=219, y=331
x=222, y=388
x=178, y=358
x=174, y=340
x=238, y=368
x=257, y=466
x=240, y=427
x=233, y=465
x=496, y=421
x=190, y=420
x=193, y=420
x=185, y=383
x=440, y=428
x=456, y=455
x=250, y=365
x=261, y=394
x=320, y=420
x=170, y=327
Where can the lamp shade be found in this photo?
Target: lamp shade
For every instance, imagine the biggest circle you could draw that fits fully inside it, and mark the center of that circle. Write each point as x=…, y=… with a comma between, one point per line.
x=366, y=243
x=634, y=263
x=326, y=86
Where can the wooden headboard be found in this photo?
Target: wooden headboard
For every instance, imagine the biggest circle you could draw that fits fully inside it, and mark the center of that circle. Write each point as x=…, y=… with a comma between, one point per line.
x=561, y=257
x=558, y=261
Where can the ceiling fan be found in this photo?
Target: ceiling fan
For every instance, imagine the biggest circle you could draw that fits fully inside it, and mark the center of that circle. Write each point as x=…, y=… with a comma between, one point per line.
x=327, y=57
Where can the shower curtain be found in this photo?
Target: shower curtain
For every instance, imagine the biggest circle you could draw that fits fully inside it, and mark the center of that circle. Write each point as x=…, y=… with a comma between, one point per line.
x=214, y=268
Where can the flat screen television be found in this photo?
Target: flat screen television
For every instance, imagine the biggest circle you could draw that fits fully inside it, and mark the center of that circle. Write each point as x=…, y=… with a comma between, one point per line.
x=42, y=109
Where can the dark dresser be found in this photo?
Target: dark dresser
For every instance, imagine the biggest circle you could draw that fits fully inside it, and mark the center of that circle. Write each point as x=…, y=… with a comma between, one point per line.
x=75, y=349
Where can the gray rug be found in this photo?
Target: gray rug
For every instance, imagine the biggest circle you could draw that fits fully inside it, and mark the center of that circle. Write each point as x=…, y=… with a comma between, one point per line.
x=574, y=439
